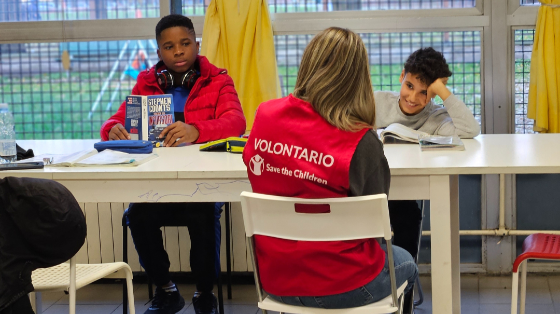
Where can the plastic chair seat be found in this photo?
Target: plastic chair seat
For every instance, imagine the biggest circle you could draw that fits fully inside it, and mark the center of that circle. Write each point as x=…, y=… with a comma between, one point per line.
x=71, y=276
x=381, y=306
x=56, y=278
x=539, y=246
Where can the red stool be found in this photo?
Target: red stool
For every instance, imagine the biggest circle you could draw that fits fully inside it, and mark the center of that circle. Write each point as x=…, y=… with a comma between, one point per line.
x=535, y=246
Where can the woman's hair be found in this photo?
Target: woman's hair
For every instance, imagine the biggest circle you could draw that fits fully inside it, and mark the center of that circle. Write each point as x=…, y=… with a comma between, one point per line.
x=334, y=77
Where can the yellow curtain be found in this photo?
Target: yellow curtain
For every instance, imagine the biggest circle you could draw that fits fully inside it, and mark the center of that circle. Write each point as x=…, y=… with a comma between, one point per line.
x=238, y=36
x=544, y=87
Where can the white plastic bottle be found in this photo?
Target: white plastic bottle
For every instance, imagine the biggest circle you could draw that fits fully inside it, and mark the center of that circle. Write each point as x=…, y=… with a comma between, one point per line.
x=8, y=151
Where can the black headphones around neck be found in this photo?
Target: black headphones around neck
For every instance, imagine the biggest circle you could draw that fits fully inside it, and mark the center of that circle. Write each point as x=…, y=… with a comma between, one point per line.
x=165, y=79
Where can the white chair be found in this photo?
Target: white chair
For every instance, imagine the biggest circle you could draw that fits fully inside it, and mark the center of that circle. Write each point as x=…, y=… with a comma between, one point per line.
x=70, y=277
x=349, y=218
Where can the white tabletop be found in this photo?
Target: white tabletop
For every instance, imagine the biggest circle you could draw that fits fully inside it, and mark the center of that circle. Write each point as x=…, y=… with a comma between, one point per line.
x=486, y=154
x=172, y=163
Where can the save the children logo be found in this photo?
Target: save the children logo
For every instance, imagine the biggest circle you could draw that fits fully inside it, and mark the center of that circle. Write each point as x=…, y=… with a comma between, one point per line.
x=256, y=164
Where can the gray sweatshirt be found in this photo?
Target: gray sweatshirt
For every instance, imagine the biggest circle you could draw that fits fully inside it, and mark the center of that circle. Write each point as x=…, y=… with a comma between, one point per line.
x=453, y=118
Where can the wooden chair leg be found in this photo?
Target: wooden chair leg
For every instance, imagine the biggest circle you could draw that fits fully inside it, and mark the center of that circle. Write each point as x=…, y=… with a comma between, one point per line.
x=130, y=296
x=514, y=292
x=72, y=288
x=523, y=287
x=36, y=302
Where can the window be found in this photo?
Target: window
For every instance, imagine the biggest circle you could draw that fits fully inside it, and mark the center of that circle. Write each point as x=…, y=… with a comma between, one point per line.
x=523, y=48
x=195, y=7
x=529, y=2
x=49, y=102
x=55, y=10
x=387, y=54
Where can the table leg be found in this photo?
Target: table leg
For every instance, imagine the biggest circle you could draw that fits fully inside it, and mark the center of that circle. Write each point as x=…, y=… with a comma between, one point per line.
x=444, y=222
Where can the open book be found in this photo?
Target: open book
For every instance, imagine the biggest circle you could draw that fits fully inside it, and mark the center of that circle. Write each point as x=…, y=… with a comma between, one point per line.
x=89, y=158
x=397, y=133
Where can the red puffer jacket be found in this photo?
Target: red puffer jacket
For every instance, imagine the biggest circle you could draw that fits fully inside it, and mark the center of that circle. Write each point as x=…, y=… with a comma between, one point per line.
x=212, y=107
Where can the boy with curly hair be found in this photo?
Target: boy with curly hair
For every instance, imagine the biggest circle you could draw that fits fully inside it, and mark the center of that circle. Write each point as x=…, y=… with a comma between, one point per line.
x=424, y=76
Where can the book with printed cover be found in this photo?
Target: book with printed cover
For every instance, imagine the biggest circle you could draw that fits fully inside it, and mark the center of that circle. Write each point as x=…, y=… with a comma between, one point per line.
x=147, y=116
x=397, y=133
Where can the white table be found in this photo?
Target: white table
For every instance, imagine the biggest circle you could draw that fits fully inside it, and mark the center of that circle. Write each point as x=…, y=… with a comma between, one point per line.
x=186, y=175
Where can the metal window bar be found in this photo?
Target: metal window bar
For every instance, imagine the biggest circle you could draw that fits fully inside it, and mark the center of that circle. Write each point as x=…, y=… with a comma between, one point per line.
x=523, y=41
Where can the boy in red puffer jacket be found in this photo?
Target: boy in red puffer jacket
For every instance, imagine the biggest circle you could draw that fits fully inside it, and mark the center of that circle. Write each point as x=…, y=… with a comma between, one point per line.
x=206, y=108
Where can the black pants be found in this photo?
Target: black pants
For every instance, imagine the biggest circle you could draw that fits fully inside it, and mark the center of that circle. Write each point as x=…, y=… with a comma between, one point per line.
x=406, y=220
x=145, y=221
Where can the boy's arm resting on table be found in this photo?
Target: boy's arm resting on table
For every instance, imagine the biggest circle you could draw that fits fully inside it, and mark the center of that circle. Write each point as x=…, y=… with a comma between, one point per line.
x=118, y=117
x=463, y=123
x=369, y=170
x=229, y=121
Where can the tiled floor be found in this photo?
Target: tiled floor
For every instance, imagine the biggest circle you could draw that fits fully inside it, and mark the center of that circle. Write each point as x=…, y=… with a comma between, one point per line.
x=479, y=294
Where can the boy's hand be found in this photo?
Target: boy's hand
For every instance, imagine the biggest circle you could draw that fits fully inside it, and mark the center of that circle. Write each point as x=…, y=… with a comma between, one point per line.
x=178, y=133
x=118, y=132
x=438, y=88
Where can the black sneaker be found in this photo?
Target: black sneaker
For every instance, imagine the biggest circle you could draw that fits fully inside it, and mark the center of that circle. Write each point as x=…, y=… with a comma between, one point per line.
x=205, y=303
x=166, y=302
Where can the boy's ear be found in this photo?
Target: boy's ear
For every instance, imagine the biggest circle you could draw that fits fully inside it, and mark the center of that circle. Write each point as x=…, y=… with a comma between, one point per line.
x=197, y=47
x=158, y=54
x=401, y=78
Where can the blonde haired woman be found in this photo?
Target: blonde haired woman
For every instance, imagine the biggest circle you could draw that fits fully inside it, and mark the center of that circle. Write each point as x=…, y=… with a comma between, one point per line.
x=319, y=142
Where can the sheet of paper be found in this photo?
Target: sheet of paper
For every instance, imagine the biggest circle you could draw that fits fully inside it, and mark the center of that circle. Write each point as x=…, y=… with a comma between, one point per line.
x=110, y=157
x=62, y=160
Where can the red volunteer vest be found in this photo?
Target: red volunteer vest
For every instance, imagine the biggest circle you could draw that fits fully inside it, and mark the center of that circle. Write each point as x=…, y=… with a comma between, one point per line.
x=292, y=151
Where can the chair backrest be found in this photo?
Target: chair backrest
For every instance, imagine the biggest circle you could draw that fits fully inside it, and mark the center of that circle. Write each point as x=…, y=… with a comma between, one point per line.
x=338, y=219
